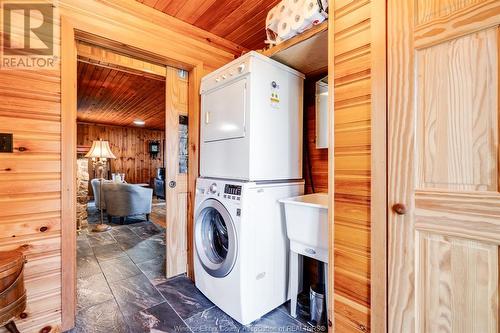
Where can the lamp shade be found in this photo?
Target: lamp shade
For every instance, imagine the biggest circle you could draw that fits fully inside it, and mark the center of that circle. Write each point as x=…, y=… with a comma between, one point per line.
x=100, y=149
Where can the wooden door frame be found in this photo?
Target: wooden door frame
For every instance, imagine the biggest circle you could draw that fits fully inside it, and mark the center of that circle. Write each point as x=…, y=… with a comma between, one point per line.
x=378, y=181
x=71, y=31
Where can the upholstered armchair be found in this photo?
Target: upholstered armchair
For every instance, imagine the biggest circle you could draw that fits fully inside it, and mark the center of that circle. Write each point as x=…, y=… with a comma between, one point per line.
x=95, y=188
x=124, y=200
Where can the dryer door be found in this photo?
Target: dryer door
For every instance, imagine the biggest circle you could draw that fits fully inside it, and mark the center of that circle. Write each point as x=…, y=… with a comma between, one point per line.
x=215, y=238
x=223, y=112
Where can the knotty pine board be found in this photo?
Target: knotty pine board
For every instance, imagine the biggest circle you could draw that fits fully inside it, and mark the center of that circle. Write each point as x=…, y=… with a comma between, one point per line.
x=31, y=110
x=130, y=146
x=352, y=153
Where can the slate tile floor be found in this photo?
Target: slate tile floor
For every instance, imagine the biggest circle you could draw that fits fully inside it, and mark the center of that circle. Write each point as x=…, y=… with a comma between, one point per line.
x=121, y=288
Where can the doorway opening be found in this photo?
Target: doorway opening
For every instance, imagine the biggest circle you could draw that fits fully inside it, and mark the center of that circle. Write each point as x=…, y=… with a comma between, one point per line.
x=131, y=132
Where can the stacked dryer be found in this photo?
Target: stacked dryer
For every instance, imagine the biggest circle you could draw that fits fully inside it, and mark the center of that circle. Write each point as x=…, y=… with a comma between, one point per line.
x=250, y=157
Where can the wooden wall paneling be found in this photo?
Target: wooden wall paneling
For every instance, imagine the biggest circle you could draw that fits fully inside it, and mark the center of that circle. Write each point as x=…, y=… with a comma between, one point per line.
x=443, y=166
x=357, y=64
x=130, y=146
x=315, y=160
x=30, y=216
x=31, y=110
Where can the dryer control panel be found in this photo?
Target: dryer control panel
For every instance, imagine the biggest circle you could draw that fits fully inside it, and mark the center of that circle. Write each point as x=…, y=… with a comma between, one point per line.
x=226, y=74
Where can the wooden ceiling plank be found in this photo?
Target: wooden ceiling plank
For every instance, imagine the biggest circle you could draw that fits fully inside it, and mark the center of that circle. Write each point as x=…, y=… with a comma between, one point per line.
x=100, y=77
x=124, y=90
x=246, y=11
x=256, y=39
x=150, y=3
x=217, y=12
x=252, y=25
x=105, y=91
x=113, y=92
x=86, y=74
x=173, y=7
x=125, y=109
x=113, y=97
x=205, y=40
x=134, y=108
x=95, y=85
x=193, y=10
x=222, y=17
x=87, y=77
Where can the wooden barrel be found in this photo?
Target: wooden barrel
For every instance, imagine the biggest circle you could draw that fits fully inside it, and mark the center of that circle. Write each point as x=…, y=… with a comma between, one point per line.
x=12, y=292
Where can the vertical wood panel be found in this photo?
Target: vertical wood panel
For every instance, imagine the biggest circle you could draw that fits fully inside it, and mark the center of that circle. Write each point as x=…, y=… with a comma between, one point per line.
x=176, y=196
x=130, y=146
x=457, y=285
x=457, y=84
x=357, y=61
x=30, y=108
x=69, y=178
x=352, y=172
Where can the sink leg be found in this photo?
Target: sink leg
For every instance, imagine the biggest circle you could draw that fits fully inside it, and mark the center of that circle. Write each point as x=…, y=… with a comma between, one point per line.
x=325, y=274
x=294, y=282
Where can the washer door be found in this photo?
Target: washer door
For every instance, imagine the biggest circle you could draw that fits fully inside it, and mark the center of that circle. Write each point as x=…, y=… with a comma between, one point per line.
x=215, y=238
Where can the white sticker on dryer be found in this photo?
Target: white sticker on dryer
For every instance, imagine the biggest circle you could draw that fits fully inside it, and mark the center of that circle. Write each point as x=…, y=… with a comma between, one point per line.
x=275, y=96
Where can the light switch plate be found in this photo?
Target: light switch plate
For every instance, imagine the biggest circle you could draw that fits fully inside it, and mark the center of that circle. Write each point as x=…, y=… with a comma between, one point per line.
x=6, y=143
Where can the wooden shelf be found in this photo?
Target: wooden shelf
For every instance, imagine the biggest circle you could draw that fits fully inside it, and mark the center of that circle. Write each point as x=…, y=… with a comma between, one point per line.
x=307, y=52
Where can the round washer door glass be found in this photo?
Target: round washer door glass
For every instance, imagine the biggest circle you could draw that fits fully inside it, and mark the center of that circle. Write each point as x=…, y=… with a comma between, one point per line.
x=215, y=238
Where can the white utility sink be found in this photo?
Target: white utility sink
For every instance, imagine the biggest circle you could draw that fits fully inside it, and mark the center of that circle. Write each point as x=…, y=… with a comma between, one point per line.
x=307, y=229
x=307, y=225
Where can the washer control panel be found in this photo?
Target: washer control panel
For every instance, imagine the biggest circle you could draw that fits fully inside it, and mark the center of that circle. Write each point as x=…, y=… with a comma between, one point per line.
x=232, y=192
x=213, y=188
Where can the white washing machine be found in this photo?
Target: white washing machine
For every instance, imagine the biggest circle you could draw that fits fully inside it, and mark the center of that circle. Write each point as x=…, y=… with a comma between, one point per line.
x=251, y=121
x=241, y=246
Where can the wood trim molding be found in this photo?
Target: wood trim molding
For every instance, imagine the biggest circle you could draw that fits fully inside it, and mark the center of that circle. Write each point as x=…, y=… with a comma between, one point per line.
x=107, y=58
x=331, y=178
x=147, y=50
x=68, y=168
x=378, y=301
x=194, y=112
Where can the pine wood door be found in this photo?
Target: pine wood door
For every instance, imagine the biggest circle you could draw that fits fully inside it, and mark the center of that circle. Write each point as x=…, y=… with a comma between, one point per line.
x=443, y=166
x=176, y=136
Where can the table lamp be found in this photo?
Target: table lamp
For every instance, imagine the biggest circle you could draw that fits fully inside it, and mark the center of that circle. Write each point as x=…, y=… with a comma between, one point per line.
x=99, y=153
